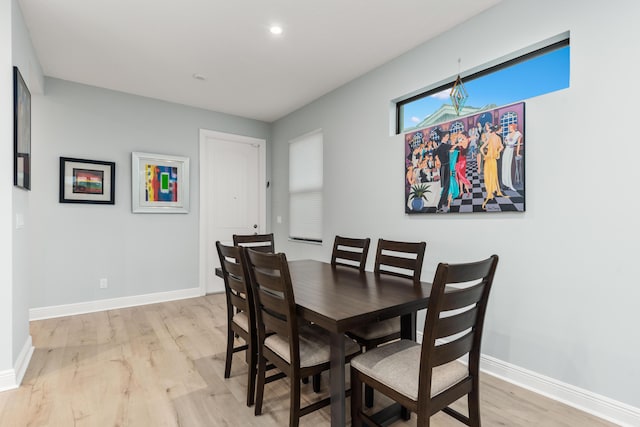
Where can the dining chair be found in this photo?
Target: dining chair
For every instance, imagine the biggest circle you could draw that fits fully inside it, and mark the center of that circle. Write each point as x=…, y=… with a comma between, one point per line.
x=241, y=320
x=297, y=349
x=426, y=378
x=259, y=242
x=350, y=252
x=402, y=259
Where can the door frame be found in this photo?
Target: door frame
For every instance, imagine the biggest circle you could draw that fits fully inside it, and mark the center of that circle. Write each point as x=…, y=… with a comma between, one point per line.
x=262, y=191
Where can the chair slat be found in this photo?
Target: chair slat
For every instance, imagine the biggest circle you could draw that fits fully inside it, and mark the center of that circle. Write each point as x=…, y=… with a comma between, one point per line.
x=274, y=323
x=472, y=271
x=459, y=298
x=258, y=242
x=266, y=279
x=457, y=323
x=453, y=350
x=241, y=303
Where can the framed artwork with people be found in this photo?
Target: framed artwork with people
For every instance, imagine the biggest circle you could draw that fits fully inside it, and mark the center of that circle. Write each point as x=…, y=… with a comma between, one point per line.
x=469, y=164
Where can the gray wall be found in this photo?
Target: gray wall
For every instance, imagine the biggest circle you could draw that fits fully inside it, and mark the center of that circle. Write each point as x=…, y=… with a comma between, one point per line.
x=75, y=245
x=565, y=293
x=23, y=56
x=6, y=188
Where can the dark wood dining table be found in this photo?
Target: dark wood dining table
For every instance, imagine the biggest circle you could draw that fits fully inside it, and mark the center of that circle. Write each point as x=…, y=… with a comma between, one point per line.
x=340, y=298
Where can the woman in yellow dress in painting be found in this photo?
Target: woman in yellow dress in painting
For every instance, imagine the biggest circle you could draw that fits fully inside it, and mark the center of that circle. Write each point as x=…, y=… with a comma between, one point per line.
x=491, y=149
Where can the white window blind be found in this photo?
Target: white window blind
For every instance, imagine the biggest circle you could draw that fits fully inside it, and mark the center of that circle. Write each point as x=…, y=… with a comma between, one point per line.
x=305, y=187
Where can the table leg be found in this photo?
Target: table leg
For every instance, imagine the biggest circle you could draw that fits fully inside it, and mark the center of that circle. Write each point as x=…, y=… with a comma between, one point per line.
x=337, y=380
x=408, y=332
x=408, y=326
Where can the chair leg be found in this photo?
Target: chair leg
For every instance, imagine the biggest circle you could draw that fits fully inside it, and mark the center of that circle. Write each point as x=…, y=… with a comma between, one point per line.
x=316, y=383
x=262, y=368
x=473, y=402
x=294, y=411
x=368, y=391
x=356, y=400
x=229, y=357
x=368, y=396
x=251, y=380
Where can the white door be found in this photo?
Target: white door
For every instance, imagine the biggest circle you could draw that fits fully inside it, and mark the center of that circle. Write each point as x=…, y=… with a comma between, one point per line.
x=232, y=196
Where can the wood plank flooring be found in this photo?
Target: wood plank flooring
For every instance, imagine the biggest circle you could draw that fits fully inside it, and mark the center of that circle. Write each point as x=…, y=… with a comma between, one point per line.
x=163, y=365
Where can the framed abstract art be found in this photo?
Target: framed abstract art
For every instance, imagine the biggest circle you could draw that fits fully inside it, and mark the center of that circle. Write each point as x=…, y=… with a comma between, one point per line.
x=159, y=183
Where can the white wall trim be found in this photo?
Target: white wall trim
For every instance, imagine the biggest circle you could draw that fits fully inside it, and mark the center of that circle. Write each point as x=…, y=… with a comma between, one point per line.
x=8, y=380
x=12, y=378
x=111, y=304
x=22, y=363
x=587, y=401
x=584, y=400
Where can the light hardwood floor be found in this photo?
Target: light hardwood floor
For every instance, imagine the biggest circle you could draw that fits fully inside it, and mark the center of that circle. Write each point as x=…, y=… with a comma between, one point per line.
x=163, y=365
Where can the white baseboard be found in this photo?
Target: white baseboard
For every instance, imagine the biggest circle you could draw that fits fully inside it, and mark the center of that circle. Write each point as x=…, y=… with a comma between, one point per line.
x=12, y=378
x=584, y=400
x=111, y=304
x=8, y=380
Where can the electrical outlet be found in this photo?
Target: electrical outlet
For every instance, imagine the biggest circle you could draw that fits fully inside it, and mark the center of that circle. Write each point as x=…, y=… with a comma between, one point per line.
x=103, y=284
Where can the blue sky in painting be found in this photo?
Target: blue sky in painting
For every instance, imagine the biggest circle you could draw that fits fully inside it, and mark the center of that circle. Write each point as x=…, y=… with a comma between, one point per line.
x=537, y=76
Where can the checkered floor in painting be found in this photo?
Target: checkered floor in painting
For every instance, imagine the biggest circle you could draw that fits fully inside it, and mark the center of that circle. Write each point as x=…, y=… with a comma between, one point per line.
x=472, y=202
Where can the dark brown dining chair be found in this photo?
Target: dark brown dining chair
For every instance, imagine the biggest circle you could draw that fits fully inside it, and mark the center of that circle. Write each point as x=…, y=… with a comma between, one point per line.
x=241, y=320
x=258, y=242
x=426, y=378
x=350, y=252
x=297, y=349
x=403, y=259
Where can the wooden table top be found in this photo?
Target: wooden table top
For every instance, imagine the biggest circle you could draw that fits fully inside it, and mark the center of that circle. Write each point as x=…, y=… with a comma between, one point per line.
x=341, y=298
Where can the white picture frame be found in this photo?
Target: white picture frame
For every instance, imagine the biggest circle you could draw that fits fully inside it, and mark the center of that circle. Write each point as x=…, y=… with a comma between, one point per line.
x=159, y=183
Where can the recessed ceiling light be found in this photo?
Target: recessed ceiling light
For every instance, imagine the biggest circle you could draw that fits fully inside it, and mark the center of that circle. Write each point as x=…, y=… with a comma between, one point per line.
x=198, y=76
x=276, y=29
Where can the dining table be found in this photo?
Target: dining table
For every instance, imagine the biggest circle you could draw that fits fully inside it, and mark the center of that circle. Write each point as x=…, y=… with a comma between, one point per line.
x=338, y=299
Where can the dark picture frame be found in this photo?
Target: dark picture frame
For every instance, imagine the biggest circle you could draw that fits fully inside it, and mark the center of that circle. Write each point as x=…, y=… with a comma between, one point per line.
x=21, y=132
x=87, y=181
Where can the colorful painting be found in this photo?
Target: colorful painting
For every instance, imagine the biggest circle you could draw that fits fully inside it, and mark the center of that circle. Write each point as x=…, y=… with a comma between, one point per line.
x=160, y=183
x=21, y=132
x=471, y=164
x=87, y=181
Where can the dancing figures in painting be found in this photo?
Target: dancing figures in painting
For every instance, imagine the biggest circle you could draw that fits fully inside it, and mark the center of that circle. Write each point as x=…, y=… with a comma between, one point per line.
x=470, y=164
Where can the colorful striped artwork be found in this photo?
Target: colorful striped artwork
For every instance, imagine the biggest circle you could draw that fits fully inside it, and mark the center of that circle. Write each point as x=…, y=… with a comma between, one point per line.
x=161, y=183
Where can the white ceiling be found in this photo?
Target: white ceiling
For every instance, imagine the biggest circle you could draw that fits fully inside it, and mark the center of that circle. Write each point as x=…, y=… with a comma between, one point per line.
x=154, y=47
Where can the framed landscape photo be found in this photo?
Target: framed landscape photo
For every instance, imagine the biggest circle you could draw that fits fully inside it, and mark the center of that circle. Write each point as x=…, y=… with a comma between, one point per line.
x=21, y=132
x=87, y=181
x=159, y=183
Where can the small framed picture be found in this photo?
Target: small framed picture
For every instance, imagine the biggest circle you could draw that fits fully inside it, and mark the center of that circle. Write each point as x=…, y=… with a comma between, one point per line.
x=159, y=183
x=87, y=181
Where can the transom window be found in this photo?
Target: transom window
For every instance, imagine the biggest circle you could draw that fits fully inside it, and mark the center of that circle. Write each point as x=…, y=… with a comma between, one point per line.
x=540, y=71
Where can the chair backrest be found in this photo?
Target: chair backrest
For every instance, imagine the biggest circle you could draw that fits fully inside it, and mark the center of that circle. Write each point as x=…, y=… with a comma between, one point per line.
x=350, y=252
x=274, y=301
x=259, y=242
x=236, y=281
x=403, y=259
x=455, y=318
